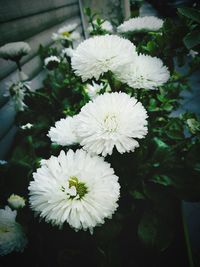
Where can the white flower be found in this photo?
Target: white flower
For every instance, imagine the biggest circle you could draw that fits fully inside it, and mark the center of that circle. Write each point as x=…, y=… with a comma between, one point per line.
x=193, y=53
x=27, y=126
x=67, y=33
x=100, y=54
x=76, y=188
x=14, y=51
x=147, y=23
x=64, y=132
x=67, y=52
x=111, y=120
x=17, y=92
x=12, y=237
x=144, y=72
x=106, y=26
x=51, y=62
x=16, y=202
x=3, y=162
x=94, y=89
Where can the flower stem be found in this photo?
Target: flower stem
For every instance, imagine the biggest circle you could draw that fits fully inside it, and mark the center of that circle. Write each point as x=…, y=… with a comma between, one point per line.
x=18, y=65
x=187, y=241
x=109, y=77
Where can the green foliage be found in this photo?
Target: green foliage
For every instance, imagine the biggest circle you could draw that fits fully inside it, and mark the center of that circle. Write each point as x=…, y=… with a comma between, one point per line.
x=164, y=170
x=192, y=38
x=154, y=231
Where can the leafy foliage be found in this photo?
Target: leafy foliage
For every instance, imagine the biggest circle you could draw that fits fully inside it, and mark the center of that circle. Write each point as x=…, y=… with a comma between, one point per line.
x=164, y=170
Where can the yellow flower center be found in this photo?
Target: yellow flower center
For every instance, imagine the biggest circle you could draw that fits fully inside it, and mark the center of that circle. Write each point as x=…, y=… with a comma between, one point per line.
x=81, y=188
x=66, y=34
x=110, y=122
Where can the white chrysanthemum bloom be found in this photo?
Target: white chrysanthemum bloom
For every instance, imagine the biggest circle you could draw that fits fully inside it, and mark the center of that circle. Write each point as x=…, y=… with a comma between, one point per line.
x=146, y=23
x=12, y=236
x=64, y=132
x=16, y=202
x=67, y=33
x=26, y=126
x=76, y=188
x=94, y=89
x=17, y=92
x=111, y=120
x=100, y=54
x=51, y=62
x=106, y=26
x=144, y=72
x=14, y=51
x=67, y=52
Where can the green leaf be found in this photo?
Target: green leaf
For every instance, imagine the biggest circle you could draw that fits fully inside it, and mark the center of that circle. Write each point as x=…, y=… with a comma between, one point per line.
x=154, y=232
x=87, y=11
x=192, y=39
x=161, y=179
x=167, y=106
x=160, y=143
x=137, y=195
x=161, y=98
x=174, y=129
x=153, y=105
x=99, y=21
x=190, y=13
x=151, y=46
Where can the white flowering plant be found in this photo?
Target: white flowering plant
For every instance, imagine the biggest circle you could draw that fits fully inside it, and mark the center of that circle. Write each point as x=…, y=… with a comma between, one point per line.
x=107, y=160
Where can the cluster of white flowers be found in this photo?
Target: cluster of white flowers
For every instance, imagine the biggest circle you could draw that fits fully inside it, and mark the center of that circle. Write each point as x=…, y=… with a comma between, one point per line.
x=17, y=92
x=102, y=125
x=51, y=62
x=140, y=24
x=79, y=187
x=14, y=51
x=12, y=236
x=138, y=71
x=100, y=54
x=76, y=188
x=67, y=33
x=106, y=26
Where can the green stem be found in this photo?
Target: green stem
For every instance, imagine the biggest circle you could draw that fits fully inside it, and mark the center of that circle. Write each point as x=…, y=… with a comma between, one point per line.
x=187, y=241
x=18, y=65
x=108, y=76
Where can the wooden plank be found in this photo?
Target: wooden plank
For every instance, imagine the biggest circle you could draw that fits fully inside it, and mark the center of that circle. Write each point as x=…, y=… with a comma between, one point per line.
x=31, y=68
x=11, y=9
x=43, y=38
x=7, y=115
x=6, y=142
x=24, y=28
